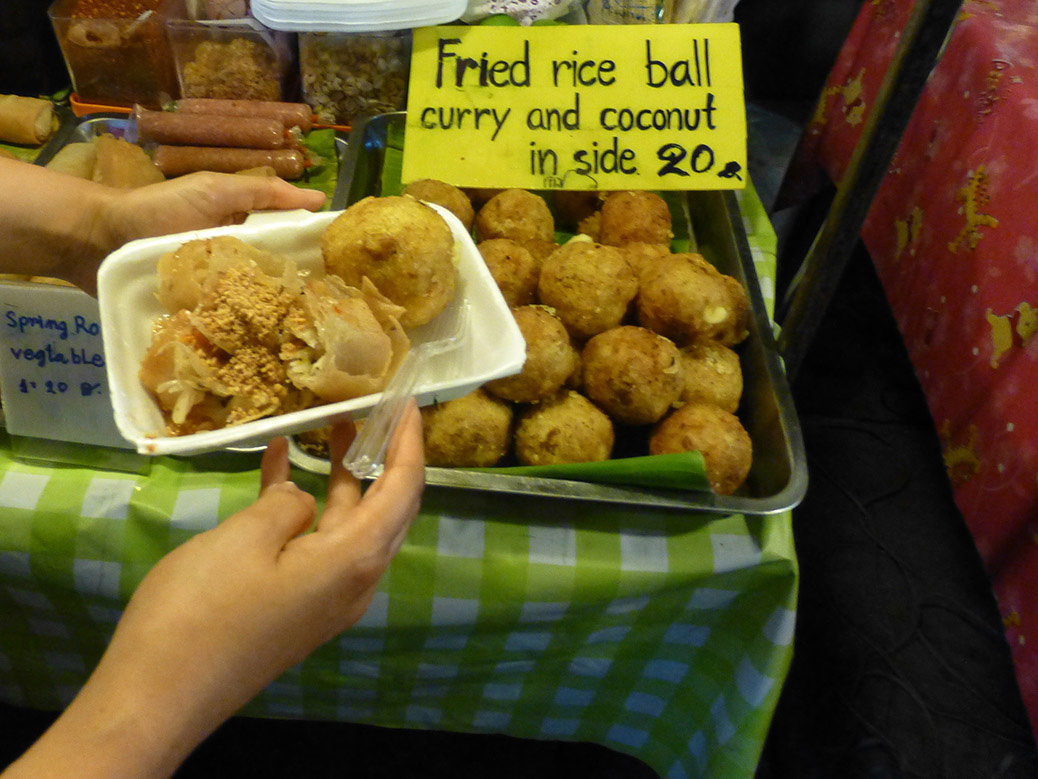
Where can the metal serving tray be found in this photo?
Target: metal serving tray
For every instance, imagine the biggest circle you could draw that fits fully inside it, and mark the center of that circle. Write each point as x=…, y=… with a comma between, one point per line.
x=778, y=478
x=82, y=129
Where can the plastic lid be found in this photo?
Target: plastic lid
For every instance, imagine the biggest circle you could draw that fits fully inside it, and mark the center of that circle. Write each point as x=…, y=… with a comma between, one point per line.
x=355, y=15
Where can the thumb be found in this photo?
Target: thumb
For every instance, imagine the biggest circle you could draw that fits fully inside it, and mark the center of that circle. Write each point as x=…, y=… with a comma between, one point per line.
x=280, y=514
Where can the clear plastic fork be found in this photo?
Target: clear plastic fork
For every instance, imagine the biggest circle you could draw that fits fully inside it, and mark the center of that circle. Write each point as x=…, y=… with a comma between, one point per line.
x=366, y=455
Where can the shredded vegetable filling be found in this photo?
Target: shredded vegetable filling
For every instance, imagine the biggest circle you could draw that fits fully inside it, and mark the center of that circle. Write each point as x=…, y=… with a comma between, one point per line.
x=248, y=336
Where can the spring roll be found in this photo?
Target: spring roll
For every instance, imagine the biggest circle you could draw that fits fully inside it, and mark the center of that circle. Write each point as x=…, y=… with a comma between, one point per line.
x=27, y=120
x=123, y=164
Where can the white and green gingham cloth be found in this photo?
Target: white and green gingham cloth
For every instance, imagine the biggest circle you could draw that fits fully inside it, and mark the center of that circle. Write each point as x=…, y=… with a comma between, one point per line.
x=662, y=634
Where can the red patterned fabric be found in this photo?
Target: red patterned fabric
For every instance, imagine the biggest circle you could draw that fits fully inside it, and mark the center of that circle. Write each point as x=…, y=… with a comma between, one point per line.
x=954, y=237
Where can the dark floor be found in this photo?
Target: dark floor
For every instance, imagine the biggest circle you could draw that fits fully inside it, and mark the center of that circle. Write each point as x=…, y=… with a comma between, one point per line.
x=901, y=667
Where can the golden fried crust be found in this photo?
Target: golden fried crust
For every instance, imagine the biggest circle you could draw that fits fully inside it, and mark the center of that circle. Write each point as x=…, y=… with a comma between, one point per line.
x=567, y=428
x=472, y=431
x=443, y=194
x=717, y=434
x=640, y=254
x=539, y=248
x=712, y=375
x=550, y=358
x=629, y=217
x=632, y=373
x=572, y=206
x=517, y=214
x=480, y=195
x=590, y=286
x=514, y=269
x=404, y=247
x=684, y=298
x=591, y=226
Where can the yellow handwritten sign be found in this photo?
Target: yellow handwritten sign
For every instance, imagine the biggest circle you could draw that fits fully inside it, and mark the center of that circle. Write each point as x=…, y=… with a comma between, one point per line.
x=578, y=107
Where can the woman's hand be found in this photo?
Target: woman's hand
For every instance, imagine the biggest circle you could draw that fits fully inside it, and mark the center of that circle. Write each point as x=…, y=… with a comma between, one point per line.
x=221, y=616
x=53, y=224
x=192, y=202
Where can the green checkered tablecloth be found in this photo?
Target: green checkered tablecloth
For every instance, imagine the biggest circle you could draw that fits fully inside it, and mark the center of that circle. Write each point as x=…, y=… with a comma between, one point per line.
x=662, y=634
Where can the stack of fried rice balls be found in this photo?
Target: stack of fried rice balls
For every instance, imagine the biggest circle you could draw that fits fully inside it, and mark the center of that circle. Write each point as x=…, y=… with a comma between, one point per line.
x=626, y=340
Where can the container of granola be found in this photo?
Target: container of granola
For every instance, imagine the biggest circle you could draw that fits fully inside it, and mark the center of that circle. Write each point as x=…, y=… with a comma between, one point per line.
x=348, y=75
x=116, y=51
x=231, y=59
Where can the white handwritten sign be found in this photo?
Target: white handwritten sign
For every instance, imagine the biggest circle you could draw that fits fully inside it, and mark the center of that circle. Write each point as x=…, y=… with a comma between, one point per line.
x=52, y=365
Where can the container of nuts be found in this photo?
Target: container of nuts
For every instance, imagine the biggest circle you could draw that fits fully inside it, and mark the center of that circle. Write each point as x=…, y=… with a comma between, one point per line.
x=348, y=75
x=231, y=59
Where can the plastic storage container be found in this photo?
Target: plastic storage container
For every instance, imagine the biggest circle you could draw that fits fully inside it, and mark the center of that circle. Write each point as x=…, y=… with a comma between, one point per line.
x=348, y=75
x=232, y=59
x=355, y=15
x=116, y=51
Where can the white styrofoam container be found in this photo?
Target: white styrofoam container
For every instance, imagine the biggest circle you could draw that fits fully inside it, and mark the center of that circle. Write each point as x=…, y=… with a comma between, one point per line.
x=491, y=345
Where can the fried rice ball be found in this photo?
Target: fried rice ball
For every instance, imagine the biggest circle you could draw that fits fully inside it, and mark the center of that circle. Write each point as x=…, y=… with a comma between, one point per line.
x=591, y=286
x=480, y=195
x=641, y=254
x=573, y=205
x=518, y=214
x=591, y=226
x=539, y=248
x=403, y=246
x=629, y=217
x=550, y=358
x=514, y=268
x=717, y=434
x=566, y=428
x=712, y=375
x=443, y=194
x=473, y=431
x=575, y=381
x=633, y=374
x=684, y=297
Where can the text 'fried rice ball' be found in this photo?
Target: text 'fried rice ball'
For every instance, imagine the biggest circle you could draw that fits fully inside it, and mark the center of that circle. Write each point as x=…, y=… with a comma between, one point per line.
x=630, y=217
x=684, y=297
x=473, y=431
x=633, y=374
x=567, y=428
x=518, y=214
x=403, y=246
x=550, y=357
x=591, y=286
x=514, y=269
x=443, y=194
x=717, y=434
x=712, y=375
